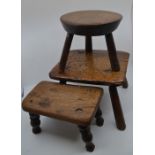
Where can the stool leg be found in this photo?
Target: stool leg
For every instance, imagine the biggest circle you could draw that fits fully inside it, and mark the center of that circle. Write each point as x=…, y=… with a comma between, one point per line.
x=88, y=44
x=125, y=83
x=112, y=52
x=87, y=137
x=98, y=116
x=35, y=123
x=65, y=51
x=120, y=122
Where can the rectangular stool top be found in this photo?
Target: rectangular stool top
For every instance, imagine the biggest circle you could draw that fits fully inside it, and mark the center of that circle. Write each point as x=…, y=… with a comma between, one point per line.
x=92, y=68
x=76, y=104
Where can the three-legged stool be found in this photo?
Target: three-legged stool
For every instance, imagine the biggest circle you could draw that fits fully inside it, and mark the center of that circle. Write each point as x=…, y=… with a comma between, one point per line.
x=75, y=104
x=99, y=67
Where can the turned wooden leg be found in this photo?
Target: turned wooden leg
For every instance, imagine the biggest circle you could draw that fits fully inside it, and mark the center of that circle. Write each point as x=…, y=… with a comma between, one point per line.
x=87, y=137
x=98, y=116
x=112, y=52
x=88, y=44
x=35, y=123
x=125, y=83
x=65, y=51
x=120, y=122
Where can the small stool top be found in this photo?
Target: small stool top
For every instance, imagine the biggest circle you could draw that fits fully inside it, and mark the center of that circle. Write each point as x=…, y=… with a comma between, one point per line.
x=76, y=104
x=90, y=22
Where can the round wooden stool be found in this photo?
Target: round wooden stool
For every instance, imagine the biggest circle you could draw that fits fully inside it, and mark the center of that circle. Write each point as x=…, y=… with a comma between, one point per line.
x=91, y=23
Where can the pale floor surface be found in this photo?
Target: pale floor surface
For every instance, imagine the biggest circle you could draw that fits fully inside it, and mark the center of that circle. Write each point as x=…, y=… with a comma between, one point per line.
x=62, y=138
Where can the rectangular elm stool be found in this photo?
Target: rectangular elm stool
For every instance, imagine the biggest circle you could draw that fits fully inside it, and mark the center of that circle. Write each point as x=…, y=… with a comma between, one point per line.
x=75, y=104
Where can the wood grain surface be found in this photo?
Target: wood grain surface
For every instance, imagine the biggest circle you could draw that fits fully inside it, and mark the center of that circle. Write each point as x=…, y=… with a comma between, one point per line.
x=90, y=22
x=76, y=104
x=90, y=17
x=92, y=68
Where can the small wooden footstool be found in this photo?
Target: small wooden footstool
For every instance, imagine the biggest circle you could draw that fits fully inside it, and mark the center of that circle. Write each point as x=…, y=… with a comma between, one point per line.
x=75, y=104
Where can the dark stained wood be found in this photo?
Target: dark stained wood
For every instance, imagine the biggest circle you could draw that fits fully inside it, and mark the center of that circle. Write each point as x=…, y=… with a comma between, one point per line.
x=98, y=116
x=92, y=68
x=76, y=104
x=125, y=83
x=65, y=51
x=112, y=52
x=120, y=122
x=35, y=123
x=88, y=43
x=91, y=22
x=87, y=137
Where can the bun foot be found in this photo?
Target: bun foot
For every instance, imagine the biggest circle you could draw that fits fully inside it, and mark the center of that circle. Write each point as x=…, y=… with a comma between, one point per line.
x=87, y=137
x=99, y=121
x=98, y=116
x=35, y=123
x=36, y=130
x=90, y=147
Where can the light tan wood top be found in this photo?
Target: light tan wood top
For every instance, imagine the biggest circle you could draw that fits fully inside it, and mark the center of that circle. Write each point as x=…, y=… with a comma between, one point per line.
x=92, y=68
x=76, y=104
x=90, y=17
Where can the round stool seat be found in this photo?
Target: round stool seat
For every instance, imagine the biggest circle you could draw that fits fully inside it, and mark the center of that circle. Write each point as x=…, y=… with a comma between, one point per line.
x=91, y=22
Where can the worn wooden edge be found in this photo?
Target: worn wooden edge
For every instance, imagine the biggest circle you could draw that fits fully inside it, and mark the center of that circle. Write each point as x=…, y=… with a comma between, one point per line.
x=87, y=82
x=112, y=83
x=93, y=29
x=81, y=11
x=78, y=122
